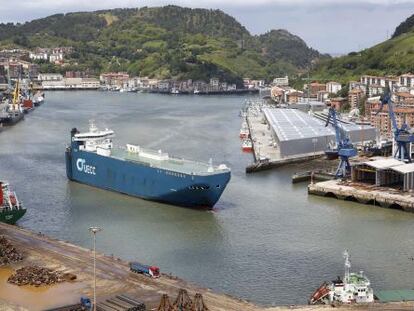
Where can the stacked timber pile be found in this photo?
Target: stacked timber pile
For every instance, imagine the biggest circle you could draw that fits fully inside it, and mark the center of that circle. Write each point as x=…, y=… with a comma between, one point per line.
x=121, y=303
x=36, y=276
x=198, y=304
x=165, y=304
x=8, y=253
x=183, y=301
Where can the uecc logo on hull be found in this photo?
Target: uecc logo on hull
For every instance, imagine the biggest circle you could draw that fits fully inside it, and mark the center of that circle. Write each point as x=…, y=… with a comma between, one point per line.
x=83, y=167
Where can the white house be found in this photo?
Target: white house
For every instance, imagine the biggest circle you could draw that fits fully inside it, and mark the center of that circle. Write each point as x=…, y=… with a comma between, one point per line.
x=282, y=81
x=333, y=87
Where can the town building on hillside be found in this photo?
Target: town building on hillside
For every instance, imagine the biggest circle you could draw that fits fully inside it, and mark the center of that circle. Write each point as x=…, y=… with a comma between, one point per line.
x=114, y=78
x=338, y=103
x=357, y=85
x=50, y=77
x=90, y=83
x=282, y=81
x=333, y=87
x=315, y=87
x=294, y=97
x=354, y=98
x=403, y=98
x=375, y=90
x=407, y=80
x=381, y=120
x=322, y=96
x=277, y=94
x=215, y=83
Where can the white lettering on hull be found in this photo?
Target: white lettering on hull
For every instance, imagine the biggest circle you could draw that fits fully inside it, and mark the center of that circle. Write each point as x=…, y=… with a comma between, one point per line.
x=83, y=167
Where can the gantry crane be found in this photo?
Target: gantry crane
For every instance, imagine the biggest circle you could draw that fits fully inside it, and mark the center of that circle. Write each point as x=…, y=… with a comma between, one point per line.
x=344, y=146
x=402, y=135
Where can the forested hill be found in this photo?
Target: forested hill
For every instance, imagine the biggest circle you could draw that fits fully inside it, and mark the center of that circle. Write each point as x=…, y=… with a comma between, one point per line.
x=164, y=42
x=392, y=57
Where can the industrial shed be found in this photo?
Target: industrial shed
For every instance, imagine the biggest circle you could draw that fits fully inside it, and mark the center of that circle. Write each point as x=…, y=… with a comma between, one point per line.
x=298, y=133
x=385, y=172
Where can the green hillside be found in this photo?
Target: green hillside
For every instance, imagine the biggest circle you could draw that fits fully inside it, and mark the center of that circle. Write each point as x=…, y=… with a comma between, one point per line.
x=392, y=57
x=164, y=42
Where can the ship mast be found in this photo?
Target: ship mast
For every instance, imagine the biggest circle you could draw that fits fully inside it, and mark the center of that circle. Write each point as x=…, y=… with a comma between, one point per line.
x=16, y=96
x=347, y=266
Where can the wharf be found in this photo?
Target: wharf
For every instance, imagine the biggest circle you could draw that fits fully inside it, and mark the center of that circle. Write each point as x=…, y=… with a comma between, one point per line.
x=266, y=154
x=364, y=193
x=114, y=277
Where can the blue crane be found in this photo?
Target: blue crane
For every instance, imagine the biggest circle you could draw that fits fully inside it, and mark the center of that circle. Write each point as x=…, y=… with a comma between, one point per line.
x=402, y=136
x=344, y=146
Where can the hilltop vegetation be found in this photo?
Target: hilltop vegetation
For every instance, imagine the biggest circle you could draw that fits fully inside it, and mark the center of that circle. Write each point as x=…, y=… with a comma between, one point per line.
x=392, y=57
x=164, y=42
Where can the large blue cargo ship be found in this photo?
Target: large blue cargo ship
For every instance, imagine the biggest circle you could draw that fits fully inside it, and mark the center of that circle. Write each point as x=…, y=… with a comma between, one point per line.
x=153, y=175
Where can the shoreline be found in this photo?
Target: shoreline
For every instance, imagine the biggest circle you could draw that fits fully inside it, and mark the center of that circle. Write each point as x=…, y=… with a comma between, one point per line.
x=114, y=277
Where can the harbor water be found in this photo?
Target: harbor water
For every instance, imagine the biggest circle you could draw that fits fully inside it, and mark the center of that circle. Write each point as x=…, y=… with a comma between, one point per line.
x=266, y=240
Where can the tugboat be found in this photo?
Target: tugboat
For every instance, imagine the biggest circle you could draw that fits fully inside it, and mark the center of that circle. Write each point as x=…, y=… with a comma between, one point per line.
x=247, y=145
x=244, y=131
x=354, y=288
x=11, y=209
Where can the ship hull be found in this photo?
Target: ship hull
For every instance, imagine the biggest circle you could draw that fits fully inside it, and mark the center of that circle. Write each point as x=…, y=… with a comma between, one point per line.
x=140, y=180
x=11, y=217
x=11, y=120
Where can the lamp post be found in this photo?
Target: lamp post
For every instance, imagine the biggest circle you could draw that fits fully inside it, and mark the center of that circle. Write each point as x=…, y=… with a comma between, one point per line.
x=94, y=231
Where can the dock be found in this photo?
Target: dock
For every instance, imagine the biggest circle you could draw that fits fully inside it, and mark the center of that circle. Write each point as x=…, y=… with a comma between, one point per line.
x=364, y=194
x=114, y=279
x=266, y=152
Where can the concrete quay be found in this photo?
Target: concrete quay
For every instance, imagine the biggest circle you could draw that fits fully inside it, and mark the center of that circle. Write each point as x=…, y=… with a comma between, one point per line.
x=365, y=194
x=265, y=152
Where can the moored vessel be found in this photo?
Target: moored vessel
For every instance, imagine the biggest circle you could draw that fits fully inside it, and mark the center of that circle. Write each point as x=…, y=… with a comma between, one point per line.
x=11, y=209
x=149, y=174
x=247, y=145
x=353, y=288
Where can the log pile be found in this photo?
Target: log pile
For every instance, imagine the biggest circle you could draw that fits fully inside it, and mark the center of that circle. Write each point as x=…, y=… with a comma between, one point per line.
x=36, y=276
x=165, y=304
x=183, y=303
x=198, y=303
x=8, y=253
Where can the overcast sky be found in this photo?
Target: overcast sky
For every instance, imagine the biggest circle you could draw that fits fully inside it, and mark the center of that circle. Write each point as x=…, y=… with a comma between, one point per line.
x=330, y=26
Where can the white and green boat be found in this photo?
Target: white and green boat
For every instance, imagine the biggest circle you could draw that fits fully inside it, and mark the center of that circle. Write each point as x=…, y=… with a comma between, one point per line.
x=353, y=288
x=11, y=209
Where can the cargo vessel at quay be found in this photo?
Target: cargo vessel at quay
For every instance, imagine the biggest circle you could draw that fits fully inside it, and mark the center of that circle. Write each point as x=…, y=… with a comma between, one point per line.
x=149, y=174
x=11, y=209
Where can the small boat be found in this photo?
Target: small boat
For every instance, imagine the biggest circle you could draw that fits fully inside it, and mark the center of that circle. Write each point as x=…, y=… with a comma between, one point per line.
x=196, y=91
x=11, y=209
x=244, y=132
x=247, y=145
x=353, y=288
x=38, y=99
x=175, y=91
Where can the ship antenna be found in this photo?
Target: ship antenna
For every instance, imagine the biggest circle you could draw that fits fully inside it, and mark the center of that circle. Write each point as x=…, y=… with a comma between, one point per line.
x=347, y=266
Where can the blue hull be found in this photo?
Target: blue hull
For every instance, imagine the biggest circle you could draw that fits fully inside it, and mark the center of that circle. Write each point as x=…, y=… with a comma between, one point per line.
x=151, y=183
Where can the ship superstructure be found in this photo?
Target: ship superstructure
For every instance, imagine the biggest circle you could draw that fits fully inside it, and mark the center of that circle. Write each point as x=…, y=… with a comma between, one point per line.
x=150, y=174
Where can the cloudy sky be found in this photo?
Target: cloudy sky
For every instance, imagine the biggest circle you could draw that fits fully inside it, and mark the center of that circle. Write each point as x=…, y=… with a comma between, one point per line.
x=330, y=26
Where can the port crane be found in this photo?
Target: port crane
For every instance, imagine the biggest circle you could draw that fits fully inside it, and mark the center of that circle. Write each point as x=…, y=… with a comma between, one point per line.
x=403, y=137
x=344, y=146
